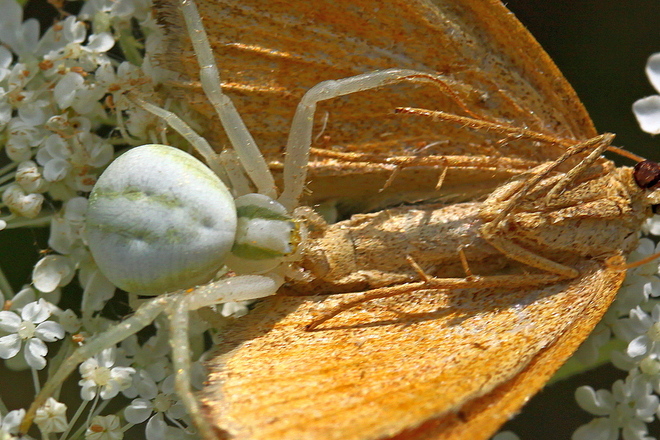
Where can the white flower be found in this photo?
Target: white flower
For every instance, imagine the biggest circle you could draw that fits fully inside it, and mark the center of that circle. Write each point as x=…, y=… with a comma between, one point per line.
x=6, y=59
x=647, y=110
x=104, y=428
x=22, y=203
x=648, y=330
x=150, y=358
x=652, y=225
x=21, y=36
x=52, y=271
x=32, y=328
x=21, y=137
x=66, y=227
x=9, y=423
x=51, y=417
x=641, y=283
x=29, y=294
x=157, y=402
x=628, y=408
x=69, y=321
x=99, y=375
x=29, y=177
x=155, y=399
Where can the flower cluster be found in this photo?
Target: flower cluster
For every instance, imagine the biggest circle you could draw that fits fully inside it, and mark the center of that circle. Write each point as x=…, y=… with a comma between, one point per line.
x=633, y=322
x=60, y=90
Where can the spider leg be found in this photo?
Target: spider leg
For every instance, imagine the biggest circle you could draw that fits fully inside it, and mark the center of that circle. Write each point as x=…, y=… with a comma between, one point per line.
x=253, y=161
x=142, y=317
x=239, y=288
x=300, y=135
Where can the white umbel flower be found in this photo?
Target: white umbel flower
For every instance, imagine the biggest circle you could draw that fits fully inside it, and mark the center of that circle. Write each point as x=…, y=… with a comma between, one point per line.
x=31, y=327
x=647, y=110
x=626, y=410
x=104, y=428
x=51, y=417
x=99, y=375
x=647, y=328
x=52, y=272
x=9, y=422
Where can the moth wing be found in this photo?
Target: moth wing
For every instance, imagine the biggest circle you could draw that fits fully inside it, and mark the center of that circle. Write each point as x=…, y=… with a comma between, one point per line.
x=429, y=365
x=270, y=53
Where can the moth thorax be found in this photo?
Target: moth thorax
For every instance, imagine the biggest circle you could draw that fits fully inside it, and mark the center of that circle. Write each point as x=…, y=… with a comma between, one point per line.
x=264, y=234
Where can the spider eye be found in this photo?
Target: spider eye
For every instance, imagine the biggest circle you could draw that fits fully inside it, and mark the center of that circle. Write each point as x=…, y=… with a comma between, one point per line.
x=159, y=220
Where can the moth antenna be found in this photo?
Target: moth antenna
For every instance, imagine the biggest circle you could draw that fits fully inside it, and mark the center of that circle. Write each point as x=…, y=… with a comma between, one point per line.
x=625, y=153
x=638, y=263
x=485, y=125
x=450, y=161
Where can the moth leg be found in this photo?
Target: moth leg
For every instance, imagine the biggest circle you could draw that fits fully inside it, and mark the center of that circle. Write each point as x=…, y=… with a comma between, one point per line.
x=515, y=252
x=476, y=282
x=246, y=148
x=142, y=317
x=503, y=203
x=560, y=186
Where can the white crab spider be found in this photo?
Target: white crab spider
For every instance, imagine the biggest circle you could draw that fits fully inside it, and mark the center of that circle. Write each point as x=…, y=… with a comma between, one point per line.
x=138, y=249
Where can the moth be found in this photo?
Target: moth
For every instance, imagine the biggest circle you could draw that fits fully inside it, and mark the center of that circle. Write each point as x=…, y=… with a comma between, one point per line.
x=452, y=311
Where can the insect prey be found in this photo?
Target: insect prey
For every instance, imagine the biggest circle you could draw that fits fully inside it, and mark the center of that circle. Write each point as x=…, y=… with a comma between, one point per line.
x=441, y=318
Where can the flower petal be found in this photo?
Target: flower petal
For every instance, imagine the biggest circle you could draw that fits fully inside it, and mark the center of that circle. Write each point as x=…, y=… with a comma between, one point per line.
x=653, y=70
x=11, y=421
x=138, y=411
x=65, y=90
x=35, y=350
x=35, y=312
x=599, y=403
x=9, y=346
x=647, y=112
x=49, y=331
x=87, y=389
x=9, y=321
x=51, y=272
x=601, y=428
x=156, y=428
x=100, y=43
x=638, y=346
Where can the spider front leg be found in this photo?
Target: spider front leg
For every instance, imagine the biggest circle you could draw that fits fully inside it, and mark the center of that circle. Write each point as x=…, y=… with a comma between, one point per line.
x=239, y=136
x=239, y=288
x=300, y=135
